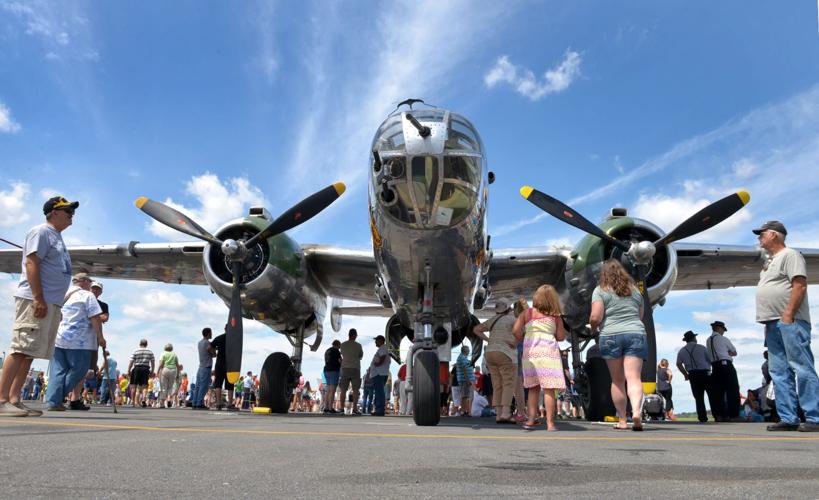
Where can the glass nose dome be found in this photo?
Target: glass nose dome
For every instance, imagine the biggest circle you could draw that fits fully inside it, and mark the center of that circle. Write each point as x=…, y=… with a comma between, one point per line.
x=432, y=182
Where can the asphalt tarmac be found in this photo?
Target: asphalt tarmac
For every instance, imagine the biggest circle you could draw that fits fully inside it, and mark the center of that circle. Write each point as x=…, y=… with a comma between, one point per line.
x=153, y=453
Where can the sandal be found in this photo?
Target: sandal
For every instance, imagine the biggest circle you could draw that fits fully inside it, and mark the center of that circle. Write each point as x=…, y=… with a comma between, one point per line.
x=618, y=428
x=636, y=424
x=530, y=427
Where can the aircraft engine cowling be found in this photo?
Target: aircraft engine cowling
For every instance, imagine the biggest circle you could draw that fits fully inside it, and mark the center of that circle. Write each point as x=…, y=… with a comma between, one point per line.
x=584, y=267
x=274, y=291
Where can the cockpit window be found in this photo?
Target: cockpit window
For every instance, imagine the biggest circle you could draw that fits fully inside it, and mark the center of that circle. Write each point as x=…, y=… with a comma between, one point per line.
x=424, y=185
x=437, y=188
x=436, y=191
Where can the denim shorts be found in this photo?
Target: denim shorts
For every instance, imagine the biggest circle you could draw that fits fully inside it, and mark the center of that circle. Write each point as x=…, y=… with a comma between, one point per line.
x=623, y=344
x=331, y=378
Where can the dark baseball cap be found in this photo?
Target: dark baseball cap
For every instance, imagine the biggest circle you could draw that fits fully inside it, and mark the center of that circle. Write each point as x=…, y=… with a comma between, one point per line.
x=58, y=202
x=773, y=225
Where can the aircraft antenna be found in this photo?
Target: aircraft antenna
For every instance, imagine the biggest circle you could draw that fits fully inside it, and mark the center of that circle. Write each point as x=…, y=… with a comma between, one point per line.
x=409, y=102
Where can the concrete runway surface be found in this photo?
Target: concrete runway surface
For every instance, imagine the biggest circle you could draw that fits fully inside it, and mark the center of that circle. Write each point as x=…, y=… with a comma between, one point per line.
x=164, y=453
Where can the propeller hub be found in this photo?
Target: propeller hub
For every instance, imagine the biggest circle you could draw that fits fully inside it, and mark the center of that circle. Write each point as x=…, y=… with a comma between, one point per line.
x=642, y=252
x=233, y=249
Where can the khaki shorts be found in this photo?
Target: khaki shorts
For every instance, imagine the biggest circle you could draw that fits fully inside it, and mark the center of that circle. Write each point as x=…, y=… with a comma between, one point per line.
x=348, y=376
x=32, y=336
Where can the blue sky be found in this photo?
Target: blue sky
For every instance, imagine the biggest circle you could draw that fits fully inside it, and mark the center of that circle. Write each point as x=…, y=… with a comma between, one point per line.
x=656, y=106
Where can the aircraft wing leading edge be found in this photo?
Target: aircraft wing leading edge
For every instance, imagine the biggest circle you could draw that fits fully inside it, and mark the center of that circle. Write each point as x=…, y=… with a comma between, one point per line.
x=179, y=263
x=706, y=266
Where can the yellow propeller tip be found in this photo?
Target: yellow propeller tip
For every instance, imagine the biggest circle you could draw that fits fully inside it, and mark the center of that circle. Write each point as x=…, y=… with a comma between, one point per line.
x=140, y=201
x=232, y=377
x=526, y=191
x=744, y=196
x=340, y=188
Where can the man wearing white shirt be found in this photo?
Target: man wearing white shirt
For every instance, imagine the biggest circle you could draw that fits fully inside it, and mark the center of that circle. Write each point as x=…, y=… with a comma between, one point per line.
x=79, y=334
x=379, y=369
x=724, y=383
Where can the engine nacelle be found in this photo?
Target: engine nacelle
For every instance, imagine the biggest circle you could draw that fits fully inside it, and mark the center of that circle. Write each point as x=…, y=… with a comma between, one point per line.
x=274, y=287
x=584, y=267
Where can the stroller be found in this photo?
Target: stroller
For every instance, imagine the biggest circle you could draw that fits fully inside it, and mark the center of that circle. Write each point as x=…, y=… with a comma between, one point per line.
x=653, y=407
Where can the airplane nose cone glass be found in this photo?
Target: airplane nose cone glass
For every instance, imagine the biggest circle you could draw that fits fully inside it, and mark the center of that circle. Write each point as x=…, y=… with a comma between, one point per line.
x=423, y=187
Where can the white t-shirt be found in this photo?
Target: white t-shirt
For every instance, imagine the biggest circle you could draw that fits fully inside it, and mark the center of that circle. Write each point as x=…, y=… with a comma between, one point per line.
x=478, y=404
x=384, y=368
x=75, y=330
x=773, y=293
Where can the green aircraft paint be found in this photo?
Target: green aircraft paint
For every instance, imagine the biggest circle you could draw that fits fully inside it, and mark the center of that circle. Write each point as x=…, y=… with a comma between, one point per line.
x=590, y=249
x=285, y=253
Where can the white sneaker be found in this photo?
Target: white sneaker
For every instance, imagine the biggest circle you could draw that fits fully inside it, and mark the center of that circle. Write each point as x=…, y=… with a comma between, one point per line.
x=31, y=411
x=9, y=410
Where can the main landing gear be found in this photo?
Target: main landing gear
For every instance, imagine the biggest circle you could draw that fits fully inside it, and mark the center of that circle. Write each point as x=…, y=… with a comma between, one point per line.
x=280, y=375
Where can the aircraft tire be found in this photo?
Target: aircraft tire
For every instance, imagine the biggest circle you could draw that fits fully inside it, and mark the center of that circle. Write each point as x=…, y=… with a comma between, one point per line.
x=276, y=383
x=426, y=391
x=598, y=404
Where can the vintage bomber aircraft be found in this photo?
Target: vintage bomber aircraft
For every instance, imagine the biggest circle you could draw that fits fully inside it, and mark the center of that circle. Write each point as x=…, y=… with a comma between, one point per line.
x=431, y=268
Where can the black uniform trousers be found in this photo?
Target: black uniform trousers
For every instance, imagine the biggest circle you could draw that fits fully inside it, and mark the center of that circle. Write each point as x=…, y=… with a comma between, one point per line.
x=724, y=394
x=699, y=384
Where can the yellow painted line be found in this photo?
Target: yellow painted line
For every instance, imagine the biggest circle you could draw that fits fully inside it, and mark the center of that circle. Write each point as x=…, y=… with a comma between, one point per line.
x=545, y=437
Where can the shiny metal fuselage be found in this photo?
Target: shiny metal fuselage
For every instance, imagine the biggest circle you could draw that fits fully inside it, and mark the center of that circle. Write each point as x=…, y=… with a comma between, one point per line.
x=455, y=253
x=452, y=254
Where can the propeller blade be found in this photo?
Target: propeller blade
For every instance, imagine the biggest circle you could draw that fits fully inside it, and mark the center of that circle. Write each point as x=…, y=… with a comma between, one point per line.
x=649, y=372
x=300, y=212
x=174, y=219
x=233, y=330
x=707, y=218
x=565, y=213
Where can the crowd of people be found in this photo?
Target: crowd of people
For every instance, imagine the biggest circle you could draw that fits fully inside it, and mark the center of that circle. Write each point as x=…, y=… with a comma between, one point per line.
x=59, y=317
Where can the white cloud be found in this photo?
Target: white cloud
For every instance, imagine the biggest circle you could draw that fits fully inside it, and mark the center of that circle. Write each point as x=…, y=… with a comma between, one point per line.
x=159, y=305
x=7, y=123
x=217, y=202
x=744, y=168
x=63, y=31
x=13, y=204
x=524, y=81
x=267, y=60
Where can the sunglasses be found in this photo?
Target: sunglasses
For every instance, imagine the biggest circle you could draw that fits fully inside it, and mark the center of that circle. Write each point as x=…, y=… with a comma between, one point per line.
x=68, y=210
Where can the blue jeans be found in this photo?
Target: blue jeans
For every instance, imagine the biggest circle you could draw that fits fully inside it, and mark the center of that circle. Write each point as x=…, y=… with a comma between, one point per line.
x=36, y=394
x=104, y=394
x=202, y=383
x=26, y=393
x=68, y=367
x=379, y=396
x=368, y=399
x=789, y=357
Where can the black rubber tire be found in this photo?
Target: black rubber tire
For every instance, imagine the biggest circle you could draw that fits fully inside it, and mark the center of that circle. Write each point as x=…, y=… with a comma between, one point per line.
x=599, y=404
x=276, y=383
x=426, y=389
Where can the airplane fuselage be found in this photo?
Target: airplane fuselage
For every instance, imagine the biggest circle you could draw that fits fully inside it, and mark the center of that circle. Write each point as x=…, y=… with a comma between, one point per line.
x=427, y=207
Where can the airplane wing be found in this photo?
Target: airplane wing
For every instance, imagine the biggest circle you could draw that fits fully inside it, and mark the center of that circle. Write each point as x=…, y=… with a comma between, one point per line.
x=343, y=273
x=704, y=266
x=179, y=263
x=518, y=272
x=514, y=272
